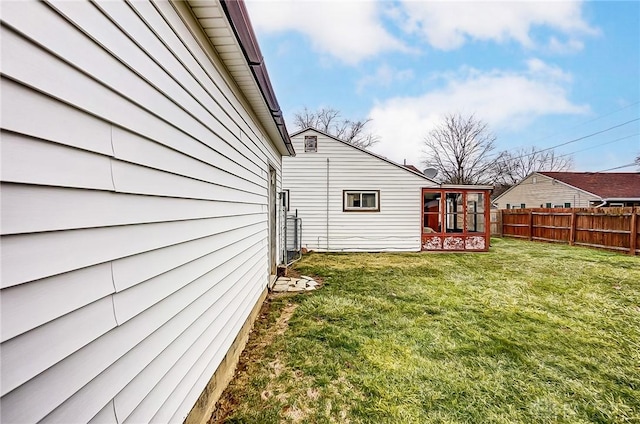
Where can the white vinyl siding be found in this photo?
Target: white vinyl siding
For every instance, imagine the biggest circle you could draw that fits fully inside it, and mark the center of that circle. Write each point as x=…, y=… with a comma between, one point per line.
x=395, y=227
x=134, y=212
x=545, y=191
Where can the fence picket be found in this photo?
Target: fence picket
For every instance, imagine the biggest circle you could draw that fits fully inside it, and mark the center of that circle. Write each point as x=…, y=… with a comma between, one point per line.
x=633, y=236
x=606, y=228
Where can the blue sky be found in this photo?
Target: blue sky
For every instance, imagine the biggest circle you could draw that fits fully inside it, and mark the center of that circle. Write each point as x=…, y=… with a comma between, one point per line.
x=540, y=73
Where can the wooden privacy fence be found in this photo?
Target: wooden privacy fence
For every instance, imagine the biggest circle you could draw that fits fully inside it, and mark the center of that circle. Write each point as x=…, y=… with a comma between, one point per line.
x=496, y=223
x=605, y=228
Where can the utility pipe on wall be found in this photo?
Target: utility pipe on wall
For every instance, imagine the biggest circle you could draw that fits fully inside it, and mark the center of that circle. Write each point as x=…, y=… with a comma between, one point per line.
x=327, y=205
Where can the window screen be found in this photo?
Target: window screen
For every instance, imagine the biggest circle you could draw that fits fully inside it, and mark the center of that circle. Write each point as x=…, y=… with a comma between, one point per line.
x=361, y=201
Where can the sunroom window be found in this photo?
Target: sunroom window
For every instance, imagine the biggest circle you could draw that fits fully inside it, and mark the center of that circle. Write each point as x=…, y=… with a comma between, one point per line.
x=361, y=201
x=453, y=212
x=475, y=212
x=454, y=217
x=431, y=209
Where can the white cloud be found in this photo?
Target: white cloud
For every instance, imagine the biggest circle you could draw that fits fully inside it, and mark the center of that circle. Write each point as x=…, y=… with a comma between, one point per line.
x=503, y=99
x=349, y=30
x=447, y=25
x=384, y=76
x=354, y=30
x=570, y=46
x=540, y=70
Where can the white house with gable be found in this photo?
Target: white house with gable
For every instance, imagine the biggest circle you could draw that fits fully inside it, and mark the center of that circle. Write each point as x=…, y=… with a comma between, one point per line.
x=142, y=152
x=350, y=199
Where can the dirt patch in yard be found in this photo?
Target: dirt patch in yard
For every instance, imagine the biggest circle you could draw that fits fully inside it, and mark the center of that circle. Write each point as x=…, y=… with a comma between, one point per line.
x=262, y=336
x=283, y=322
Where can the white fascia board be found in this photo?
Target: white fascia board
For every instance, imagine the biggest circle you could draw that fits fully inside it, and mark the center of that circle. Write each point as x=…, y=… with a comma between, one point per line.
x=466, y=187
x=251, y=92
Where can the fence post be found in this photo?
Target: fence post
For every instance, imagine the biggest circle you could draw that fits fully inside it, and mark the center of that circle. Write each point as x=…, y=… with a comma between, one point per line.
x=499, y=225
x=530, y=224
x=572, y=229
x=633, y=234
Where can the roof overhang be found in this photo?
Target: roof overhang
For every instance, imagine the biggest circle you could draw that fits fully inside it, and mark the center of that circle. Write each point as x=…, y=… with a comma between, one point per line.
x=227, y=26
x=466, y=187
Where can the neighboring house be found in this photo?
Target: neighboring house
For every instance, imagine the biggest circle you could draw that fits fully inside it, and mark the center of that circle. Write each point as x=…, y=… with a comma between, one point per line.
x=350, y=199
x=141, y=156
x=572, y=190
x=411, y=167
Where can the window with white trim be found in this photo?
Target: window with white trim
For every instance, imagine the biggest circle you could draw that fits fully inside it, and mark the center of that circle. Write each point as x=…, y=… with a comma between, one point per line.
x=361, y=201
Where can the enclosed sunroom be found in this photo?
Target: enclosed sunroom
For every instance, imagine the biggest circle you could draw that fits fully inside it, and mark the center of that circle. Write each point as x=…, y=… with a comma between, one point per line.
x=456, y=218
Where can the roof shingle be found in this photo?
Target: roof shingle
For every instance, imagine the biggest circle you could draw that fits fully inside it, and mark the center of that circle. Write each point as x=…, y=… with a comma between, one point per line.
x=413, y=168
x=607, y=185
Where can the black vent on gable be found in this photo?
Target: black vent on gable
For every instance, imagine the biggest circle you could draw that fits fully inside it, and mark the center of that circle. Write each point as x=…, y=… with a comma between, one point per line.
x=310, y=143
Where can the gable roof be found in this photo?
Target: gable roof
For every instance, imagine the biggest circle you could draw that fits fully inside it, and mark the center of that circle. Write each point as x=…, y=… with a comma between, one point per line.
x=404, y=168
x=607, y=185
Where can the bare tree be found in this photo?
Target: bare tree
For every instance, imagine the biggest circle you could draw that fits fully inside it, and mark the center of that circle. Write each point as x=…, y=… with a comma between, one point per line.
x=637, y=162
x=328, y=120
x=459, y=148
x=513, y=167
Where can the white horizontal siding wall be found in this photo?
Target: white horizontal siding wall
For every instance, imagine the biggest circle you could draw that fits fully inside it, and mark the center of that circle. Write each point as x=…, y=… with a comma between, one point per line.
x=134, y=212
x=396, y=227
x=544, y=190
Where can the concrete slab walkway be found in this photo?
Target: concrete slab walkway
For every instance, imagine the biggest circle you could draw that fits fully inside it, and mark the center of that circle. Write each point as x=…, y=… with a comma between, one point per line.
x=292, y=284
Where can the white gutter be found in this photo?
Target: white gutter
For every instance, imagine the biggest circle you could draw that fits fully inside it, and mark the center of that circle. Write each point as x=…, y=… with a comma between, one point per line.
x=617, y=199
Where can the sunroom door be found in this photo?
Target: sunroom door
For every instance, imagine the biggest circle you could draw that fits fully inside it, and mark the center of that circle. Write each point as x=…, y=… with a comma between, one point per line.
x=431, y=238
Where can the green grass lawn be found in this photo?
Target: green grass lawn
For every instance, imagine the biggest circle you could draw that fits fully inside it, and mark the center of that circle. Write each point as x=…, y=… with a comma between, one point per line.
x=527, y=333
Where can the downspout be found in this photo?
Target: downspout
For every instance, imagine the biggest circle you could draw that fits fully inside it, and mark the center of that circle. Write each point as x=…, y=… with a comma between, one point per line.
x=327, y=204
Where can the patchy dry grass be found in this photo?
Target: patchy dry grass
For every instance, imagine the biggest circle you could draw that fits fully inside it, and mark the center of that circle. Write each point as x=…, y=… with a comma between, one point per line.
x=528, y=332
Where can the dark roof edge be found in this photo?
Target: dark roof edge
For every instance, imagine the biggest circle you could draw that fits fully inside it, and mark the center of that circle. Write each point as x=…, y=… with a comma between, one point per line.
x=239, y=18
